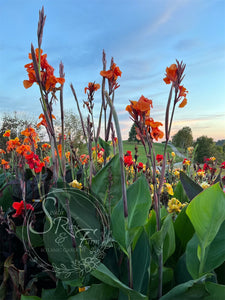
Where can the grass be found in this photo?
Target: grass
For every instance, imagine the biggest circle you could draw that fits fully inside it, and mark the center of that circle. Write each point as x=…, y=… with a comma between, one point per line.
x=159, y=149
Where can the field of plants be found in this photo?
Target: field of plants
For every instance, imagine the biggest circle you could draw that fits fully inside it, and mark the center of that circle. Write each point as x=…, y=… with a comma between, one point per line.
x=118, y=221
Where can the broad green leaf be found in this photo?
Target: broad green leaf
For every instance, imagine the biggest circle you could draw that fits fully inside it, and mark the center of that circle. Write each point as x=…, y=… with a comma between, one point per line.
x=179, y=193
x=97, y=292
x=6, y=198
x=105, y=275
x=58, y=293
x=181, y=273
x=216, y=291
x=106, y=184
x=207, y=213
x=158, y=238
x=167, y=280
x=139, y=203
x=74, y=249
x=214, y=257
x=169, y=242
x=141, y=263
x=191, y=188
x=23, y=297
x=193, y=289
x=184, y=229
x=105, y=145
x=35, y=239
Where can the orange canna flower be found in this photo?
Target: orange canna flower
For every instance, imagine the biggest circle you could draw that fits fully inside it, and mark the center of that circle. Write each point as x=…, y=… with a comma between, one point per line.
x=5, y=164
x=7, y=133
x=139, y=108
x=156, y=133
x=112, y=75
x=46, y=159
x=84, y=159
x=92, y=87
x=43, y=121
x=23, y=149
x=183, y=103
x=2, y=151
x=46, y=146
x=13, y=144
x=171, y=74
x=48, y=80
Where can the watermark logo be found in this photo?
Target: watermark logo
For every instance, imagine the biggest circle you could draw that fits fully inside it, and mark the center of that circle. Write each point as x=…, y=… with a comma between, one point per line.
x=75, y=234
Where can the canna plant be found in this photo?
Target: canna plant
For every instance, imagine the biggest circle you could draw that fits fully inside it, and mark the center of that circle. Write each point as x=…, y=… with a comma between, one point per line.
x=104, y=226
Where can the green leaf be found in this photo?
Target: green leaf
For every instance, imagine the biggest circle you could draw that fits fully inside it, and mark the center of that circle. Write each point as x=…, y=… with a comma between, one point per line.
x=216, y=291
x=74, y=249
x=105, y=275
x=184, y=229
x=35, y=239
x=158, y=238
x=23, y=297
x=97, y=292
x=105, y=145
x=214, y=257
x=181, y=273
x=57, y=294
x=191, y=188
x=139, y=203
x=107, y=182
x=179, y=193
x=167, y=279
x=141, y=263
x=6, y=198
x=193, y=289
x=207, y=213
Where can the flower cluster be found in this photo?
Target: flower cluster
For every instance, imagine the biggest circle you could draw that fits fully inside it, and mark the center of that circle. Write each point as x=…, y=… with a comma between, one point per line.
x=47, y=78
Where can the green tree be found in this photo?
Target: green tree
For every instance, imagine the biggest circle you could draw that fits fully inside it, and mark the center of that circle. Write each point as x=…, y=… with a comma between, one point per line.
x=206, y=148
x=72, y=128
x=183, y=138
x=132, y=134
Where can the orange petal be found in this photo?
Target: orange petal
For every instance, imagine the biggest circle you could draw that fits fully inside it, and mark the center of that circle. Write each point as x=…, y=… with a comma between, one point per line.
x=27, y=84
x=183, y=103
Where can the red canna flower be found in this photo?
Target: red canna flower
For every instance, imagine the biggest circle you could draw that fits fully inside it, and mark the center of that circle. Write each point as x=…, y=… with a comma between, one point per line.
x=222, y=166
x=140, y=166
x=19, y=207
x=34, y=162
x=159, y=157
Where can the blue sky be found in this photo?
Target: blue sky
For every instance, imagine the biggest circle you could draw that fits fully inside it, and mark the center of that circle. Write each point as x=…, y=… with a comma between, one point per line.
x=143, y=36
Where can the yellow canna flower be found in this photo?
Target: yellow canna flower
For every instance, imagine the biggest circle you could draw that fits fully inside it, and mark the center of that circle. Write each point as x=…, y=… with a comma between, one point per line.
x=205, y=185
x=173, y=154
x=174, y=205
x=76, y=184
x=168, y=188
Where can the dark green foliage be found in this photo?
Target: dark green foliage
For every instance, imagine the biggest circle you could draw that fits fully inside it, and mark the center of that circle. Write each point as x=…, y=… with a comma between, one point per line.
x=132, y=134
x=206, y=148
x=183, y=138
